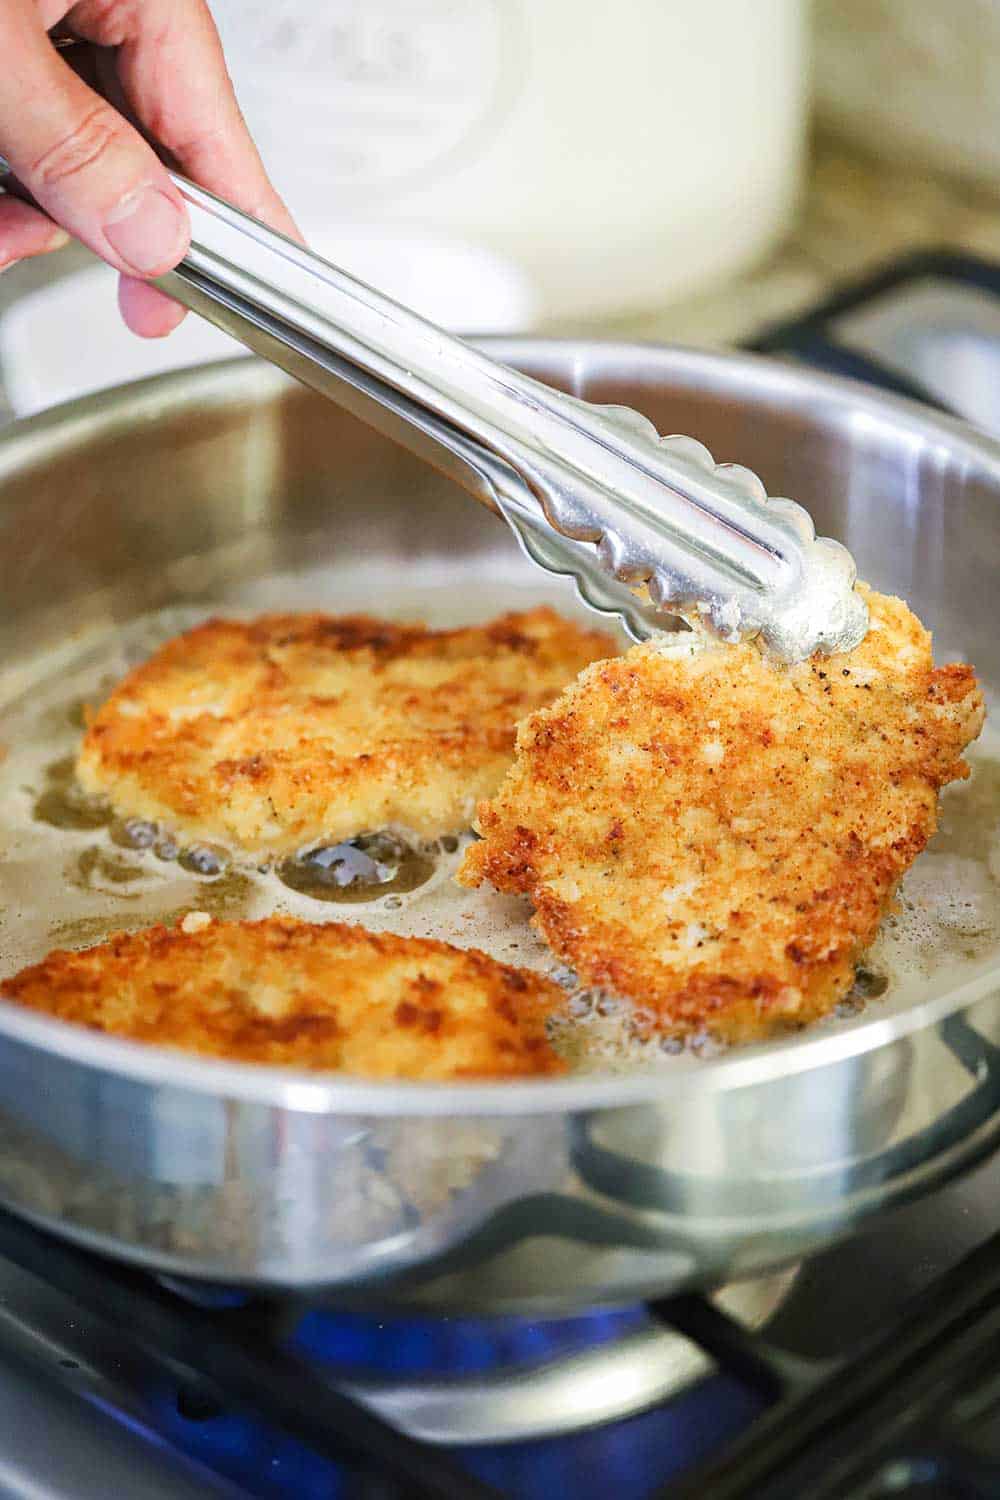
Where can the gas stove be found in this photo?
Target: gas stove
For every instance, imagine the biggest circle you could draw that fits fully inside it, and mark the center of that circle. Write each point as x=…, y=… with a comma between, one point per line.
x=872, y=1370
x=876, y=1372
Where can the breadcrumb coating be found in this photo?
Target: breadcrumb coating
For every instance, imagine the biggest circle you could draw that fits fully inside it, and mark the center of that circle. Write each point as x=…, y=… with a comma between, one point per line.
x=327, y=996
x=717, y=837
x=290, y=730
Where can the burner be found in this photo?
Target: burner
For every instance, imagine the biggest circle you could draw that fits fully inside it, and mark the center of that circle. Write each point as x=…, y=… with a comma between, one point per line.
x=465, y=1381
x=250, y=1387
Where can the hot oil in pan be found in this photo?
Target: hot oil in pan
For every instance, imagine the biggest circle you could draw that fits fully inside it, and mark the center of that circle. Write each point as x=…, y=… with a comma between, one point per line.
x=70, y=874
x=361, y=869
x=63, y=804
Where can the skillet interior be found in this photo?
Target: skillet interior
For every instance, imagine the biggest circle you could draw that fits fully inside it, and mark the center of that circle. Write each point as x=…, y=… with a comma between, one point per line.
x=190, y=491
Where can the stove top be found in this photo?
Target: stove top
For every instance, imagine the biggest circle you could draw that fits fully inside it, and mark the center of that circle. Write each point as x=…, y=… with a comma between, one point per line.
x=927, y=327
x=865, y=1380
x=873, y=1370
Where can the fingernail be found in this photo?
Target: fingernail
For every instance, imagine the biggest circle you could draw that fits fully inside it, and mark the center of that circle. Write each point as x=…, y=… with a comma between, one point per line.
x=147, y=230
x=56, y=241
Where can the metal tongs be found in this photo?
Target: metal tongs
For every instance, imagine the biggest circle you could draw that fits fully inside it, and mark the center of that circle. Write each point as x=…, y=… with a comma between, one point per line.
x=591, y=491
x=647, y=525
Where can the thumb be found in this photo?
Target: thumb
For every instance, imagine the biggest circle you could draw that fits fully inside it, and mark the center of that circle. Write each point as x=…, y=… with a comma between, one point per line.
x=81, y=160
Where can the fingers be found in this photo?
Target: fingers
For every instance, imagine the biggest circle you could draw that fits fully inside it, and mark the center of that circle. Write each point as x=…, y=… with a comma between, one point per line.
x=147, y=311
x=170, y=64
x=24, y=231
x=173, y=71
x=79, y=159
x=86, y=166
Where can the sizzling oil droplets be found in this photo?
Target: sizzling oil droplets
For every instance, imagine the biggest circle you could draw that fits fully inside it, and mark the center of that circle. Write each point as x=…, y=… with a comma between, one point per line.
x=361, y=869
x=366, y=868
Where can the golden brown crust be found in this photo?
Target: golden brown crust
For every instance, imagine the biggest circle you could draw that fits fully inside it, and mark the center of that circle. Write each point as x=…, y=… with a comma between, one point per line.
x=277, y=733
x=718, y=838
x=329, y=996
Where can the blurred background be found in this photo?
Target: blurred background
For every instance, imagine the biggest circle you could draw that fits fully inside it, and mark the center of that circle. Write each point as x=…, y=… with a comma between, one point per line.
x=682, y=170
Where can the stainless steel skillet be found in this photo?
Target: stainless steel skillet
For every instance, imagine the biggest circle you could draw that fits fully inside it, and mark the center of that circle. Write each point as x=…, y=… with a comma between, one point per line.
x=487, y=1196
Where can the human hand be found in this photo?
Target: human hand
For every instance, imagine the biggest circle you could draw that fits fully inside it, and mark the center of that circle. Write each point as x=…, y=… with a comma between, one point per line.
x=86, y=166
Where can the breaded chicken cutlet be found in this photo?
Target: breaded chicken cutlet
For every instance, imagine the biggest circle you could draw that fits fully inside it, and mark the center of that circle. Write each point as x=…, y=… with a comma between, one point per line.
x=292, y=730
x=325, y=996
x=717, y=838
